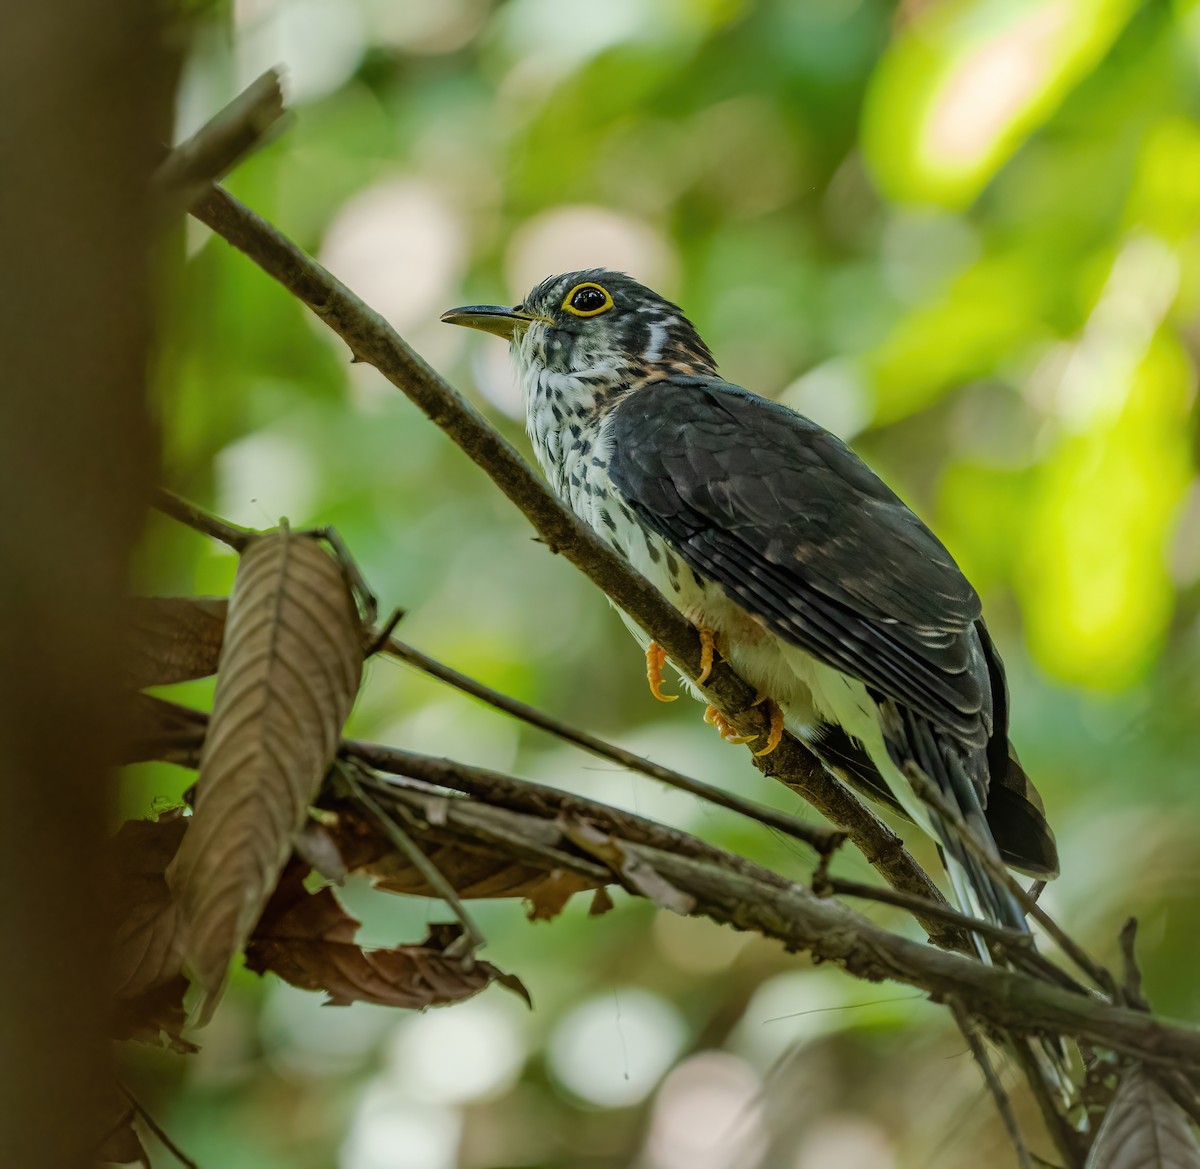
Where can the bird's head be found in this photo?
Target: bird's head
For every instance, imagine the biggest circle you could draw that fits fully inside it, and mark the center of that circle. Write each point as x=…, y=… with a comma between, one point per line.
x=590, y=321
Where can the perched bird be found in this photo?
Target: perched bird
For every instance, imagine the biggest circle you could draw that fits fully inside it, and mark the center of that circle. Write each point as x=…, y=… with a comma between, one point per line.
x=791, y=557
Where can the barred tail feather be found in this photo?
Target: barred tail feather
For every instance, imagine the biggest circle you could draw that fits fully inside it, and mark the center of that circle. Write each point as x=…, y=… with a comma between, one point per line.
x=960, y=774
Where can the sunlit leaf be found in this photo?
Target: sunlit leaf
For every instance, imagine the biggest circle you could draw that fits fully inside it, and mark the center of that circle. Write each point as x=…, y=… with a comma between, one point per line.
x=959, y=335
x=289, y=672
x=966, y=82
x=1094, y=582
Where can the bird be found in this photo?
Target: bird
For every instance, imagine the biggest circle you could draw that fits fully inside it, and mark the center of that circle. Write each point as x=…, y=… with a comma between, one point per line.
x=793, y=559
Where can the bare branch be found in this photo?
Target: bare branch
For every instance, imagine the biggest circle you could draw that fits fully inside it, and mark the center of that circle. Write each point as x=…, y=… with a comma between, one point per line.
x=728, y=888
x=190, y=170
x=521, y=795
x=373, y=341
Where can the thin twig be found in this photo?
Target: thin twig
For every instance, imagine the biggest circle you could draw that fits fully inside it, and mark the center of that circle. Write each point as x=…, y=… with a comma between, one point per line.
x=511, y=835
x=1066, y=1140
x=373, y=341
x=522, y=795
x=472, y=934
x=1003, y=1105
x=1131, y=985
x=157, y=1129
x=824, y=840
x=200, y=520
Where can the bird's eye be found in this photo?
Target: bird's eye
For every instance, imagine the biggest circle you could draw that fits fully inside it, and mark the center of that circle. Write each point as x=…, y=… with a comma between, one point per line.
x=587, y=300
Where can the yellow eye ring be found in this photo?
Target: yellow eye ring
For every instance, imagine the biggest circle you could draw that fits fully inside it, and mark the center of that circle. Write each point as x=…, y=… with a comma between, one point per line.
x=580, y=291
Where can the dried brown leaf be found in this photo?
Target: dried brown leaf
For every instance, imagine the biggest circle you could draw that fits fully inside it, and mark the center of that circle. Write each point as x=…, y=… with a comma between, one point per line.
x=602, y=902
x=549, y=897
x=147, y=949
x=289, y=672
x=635, y=872
x=308, y=940
x=158, y=729
x=173, y=639
x=156, y=1014
x=1143, y=1129
x=121, y=1144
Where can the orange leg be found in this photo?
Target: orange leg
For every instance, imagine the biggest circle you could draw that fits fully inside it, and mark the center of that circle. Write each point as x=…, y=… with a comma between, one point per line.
x=656, y=658
x=725, y=728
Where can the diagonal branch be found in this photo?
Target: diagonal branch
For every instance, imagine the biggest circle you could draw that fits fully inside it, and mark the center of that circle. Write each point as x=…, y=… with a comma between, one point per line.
x=373, y=341
x=824, y=840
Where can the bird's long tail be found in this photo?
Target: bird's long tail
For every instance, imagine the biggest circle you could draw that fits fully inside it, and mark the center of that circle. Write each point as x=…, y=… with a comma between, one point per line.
x=977, y=885
x=927, y=758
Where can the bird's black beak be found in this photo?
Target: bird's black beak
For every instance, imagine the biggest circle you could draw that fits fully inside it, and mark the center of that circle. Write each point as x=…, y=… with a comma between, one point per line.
x=491, y=318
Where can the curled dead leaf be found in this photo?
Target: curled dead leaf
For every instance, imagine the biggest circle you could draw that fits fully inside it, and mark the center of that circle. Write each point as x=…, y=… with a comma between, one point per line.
x=157, y=729
x=308, y=940
x=289, y=672
x=602, y=902
x=547, y=899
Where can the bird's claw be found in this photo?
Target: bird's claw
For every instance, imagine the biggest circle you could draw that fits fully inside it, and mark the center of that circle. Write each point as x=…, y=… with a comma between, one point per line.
x=708, y=642
x=775, y=730
x=656, y=658
x=725, y=728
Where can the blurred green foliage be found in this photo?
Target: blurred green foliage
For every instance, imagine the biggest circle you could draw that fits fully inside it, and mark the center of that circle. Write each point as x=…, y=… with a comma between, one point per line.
x=962, y=233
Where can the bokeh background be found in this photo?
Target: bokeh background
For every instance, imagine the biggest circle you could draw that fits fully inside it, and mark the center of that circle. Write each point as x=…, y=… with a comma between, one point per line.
x=962, y=233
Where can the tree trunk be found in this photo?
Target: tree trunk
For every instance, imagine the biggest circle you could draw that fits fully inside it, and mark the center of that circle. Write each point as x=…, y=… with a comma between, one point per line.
x=86, y=92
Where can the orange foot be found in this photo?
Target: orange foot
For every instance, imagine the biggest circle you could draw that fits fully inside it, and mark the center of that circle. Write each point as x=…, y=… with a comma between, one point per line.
x=775, y=731
x=656, y=658
x=708, y=642
x=725, y=728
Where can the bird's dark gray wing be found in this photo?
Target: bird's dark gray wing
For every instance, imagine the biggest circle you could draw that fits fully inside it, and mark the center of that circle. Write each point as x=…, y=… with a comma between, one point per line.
x=800, y=532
